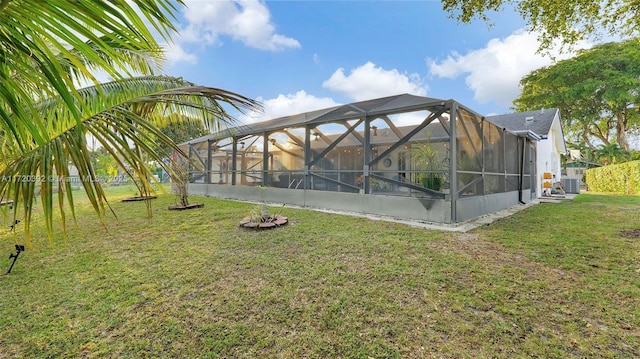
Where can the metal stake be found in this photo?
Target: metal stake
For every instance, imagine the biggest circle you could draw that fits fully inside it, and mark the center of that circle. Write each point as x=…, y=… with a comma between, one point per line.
x=19, y=248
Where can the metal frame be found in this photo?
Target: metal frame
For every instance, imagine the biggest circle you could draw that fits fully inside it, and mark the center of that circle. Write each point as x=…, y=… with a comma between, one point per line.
x=352, y=116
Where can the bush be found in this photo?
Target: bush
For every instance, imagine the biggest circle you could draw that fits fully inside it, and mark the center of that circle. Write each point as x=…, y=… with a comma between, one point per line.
x=623, y=178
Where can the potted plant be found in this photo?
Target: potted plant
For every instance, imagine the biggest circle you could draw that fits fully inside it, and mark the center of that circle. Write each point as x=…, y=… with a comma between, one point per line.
x=428, y=159
x=259, y=217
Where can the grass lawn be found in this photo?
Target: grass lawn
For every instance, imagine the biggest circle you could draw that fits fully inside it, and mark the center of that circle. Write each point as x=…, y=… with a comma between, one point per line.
x=552, y=281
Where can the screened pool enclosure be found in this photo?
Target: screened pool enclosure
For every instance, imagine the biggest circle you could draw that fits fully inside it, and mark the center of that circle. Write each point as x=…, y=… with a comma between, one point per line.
x=403, y=156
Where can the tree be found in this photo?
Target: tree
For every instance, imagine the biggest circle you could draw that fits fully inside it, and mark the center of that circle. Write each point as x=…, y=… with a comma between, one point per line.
x=122, y=117
x=565, y=21
x=182, y=130
x=611, y=154
x=104, y=164
x=46, y=48
x=597, y=92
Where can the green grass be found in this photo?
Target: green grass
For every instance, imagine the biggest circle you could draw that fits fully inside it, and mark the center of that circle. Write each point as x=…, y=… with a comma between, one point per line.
x=552, y=281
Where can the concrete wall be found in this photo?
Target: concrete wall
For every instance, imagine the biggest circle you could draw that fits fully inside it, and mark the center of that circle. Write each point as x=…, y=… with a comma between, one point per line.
x=471, y=207
x=429, y=210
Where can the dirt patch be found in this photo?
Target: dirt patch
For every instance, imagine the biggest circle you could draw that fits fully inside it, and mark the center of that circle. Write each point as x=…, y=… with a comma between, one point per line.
x=631, y=233
x=180, y=207
x=267, y=222
x=490, y=254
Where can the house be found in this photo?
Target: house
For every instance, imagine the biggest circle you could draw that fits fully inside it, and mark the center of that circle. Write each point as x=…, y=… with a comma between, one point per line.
x=576, y=166
x=403, y=156
x=547, y=126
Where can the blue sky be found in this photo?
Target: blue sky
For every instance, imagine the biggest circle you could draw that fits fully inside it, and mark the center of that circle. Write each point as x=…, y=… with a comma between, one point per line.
x=297, y=56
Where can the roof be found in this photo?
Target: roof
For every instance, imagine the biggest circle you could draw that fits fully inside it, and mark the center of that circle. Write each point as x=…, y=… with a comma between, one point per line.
x=534, y=124
x=385, y=105
x=541, y=122
x=538, y=121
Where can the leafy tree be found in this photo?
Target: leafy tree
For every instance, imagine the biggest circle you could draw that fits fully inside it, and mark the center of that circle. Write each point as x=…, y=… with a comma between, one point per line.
x=597, y=92
x=566, y=21
x=103, y=162
x=183, y=130
x=611, y=154
x=46, y=47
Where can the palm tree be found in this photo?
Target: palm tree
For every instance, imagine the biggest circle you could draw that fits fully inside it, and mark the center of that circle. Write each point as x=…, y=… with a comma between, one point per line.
x=46, y=48
x=611, y=153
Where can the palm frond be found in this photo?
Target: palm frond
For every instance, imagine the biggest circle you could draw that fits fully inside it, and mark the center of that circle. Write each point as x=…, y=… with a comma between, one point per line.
x=121, y=116
x=45, y=48
x=34, y=35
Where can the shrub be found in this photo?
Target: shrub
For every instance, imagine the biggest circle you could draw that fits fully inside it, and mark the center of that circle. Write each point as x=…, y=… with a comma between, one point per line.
x=622, y=178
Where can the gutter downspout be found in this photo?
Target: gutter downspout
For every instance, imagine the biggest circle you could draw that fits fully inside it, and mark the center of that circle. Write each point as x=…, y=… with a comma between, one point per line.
x=521, y=170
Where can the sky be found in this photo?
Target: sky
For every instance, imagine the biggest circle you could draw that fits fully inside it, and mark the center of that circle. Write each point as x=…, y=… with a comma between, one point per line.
x=298, y=56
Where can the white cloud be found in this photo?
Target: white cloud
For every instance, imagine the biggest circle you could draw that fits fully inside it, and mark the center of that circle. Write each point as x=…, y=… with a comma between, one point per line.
x=174, y=53
x=368, y=81
x=494, y=72
x=364, y=83
x=290, y=104
x=247, y=21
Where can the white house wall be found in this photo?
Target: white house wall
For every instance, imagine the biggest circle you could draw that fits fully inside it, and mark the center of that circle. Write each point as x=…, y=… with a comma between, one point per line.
x=548, y=154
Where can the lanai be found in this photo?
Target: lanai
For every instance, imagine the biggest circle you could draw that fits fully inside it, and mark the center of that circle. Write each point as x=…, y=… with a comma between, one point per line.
x=404, y=156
